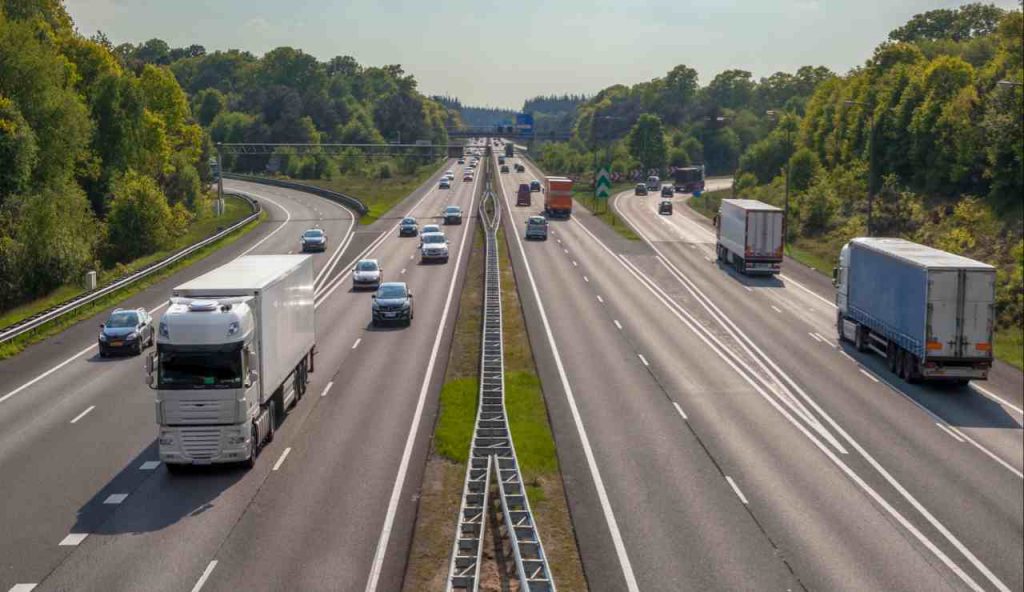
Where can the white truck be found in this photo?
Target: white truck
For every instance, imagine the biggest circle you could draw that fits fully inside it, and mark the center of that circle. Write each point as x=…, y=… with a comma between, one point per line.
x=233, y=351
x=928, y=312
x=750, y=235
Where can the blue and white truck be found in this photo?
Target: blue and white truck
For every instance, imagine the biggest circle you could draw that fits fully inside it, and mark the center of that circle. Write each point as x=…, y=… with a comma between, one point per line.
x=928, y=312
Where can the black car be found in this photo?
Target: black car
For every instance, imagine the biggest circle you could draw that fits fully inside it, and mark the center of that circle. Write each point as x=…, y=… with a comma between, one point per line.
x=640, y=189
x=314, y=239
x=534, y=185
x=665, y=207
x=666, y=191
x=392, y=303
x=504, y=168
x=453, y=215
x=520, y=168
x=127, y=331
x=408, y=227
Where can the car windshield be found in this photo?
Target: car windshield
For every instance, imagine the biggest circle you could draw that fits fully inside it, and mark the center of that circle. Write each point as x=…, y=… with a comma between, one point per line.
x=313, y=233
x=431, y=228
x=200, y=369
x=120, y=320
x=452, y=210
x=409, y=221
x=391, y=292
x=367, y=266
x=434, y=238
x=537, y=220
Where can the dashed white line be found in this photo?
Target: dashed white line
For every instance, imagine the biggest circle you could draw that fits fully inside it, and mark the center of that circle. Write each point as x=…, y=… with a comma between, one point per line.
x=403, y=271
x=280, y=460
x=574, y=264
x=23, y=587
x=680, y=410
x=706, y=258
x=950, y=432
x=617, y=324
x=815, y=337
x=643, y=359
x=115, y=498
x=748, y=288
x=205, y=576
x=586, y=279
x=149, y=465
x=777, y=309
x=74, y=539
x=868, y=374
x=356, y=344
x=566, y=251
x=599, y=299
x=847, y=356
x=736, y=488
x=83, y=414
x=327, y=389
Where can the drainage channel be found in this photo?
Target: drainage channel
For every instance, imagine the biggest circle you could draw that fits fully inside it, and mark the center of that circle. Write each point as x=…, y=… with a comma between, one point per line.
x=492, y=456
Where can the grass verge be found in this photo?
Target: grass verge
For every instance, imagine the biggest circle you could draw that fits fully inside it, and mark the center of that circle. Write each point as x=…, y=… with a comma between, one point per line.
x=604, y=211
x=1009, y=346
x=19, y=343
x=379, y=195
x=528, y=420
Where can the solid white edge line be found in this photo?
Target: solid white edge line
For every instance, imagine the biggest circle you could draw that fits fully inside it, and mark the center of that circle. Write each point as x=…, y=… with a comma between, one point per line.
x=83, y=414
x=950, y=432
x=847, y=356
x=356, y=344
x=205, y=576
x=115, y=498
x=73, y=539
x=984, y=391
x=777, y=309
x=23, y=588
x=586, y=279
x=736, y=488
x=599, y=299
x=280, y=459
x=868, y=374
x=643, y=359
x=680, y=410
x=149, y=465
x=403, y=467
x=815, y=337
x=595, y=472
x=287, y=218
x=618, y=325
x=327, y=389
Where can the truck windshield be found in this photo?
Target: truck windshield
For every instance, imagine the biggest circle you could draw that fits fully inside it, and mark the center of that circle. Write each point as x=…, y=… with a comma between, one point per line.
x=688, y=175
x=183, y=370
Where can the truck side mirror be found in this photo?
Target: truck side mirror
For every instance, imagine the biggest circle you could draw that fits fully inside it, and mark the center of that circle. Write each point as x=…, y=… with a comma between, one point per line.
x=835, y=277
x=251, y=361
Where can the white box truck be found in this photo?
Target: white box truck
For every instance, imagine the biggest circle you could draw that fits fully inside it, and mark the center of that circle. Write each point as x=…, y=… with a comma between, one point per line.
x=928, y=312
x=750, y=235
x=233, y=351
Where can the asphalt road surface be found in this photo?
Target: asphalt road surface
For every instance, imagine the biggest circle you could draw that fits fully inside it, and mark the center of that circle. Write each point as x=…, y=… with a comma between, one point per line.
x=714, y=436
x=330, y=503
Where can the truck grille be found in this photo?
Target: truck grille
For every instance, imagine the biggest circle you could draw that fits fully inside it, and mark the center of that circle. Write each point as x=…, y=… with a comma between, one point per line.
x=200, y=442
x=201, y=411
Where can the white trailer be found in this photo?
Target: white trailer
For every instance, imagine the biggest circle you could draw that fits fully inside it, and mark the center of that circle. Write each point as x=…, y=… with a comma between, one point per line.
x=234, y=351
x=750, y=235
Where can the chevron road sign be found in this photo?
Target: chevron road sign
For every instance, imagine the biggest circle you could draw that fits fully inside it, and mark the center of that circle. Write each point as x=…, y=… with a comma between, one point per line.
x=603, y=184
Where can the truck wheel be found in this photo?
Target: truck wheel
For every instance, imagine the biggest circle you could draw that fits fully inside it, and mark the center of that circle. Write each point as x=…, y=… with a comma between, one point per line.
x=892, y=356
x=272, y=424
x=839, y=327
x=254, y=450
x=860, y=339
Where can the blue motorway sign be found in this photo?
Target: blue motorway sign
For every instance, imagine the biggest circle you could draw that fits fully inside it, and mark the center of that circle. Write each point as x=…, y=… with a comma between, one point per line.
x=524, y=124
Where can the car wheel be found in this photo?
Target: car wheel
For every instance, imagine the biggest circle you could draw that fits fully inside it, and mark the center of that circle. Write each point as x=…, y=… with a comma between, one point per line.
x=103, y=354
x=138, y=348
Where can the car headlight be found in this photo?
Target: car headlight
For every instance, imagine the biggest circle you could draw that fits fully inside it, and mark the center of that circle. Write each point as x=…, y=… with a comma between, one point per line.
x=132, y=336
x=376, y=305
x=103, y=336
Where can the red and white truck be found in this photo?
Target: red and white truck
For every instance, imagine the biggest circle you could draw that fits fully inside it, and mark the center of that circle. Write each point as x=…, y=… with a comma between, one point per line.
x=557, y=197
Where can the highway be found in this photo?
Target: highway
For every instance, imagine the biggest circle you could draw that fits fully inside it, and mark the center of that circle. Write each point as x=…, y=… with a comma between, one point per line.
x=713, y=435
x=330, y=503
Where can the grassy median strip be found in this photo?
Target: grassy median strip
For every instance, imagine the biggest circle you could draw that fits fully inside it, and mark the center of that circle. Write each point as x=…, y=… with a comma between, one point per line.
x=379, y=195
x=16, y=345
x=535, y=447
x=604, y=211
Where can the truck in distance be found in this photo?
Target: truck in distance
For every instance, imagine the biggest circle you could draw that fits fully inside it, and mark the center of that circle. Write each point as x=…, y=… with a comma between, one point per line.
x=750, y=235
x=929, y=313
x=557, y=197
x=233, y=351
x=688, y=179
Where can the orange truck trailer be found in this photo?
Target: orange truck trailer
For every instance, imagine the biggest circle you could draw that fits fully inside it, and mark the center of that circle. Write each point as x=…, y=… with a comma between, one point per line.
x=557, y=197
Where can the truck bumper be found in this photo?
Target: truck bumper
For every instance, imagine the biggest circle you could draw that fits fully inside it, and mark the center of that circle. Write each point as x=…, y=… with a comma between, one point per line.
x=762, y=266
x=953, y=373
x=205, y=445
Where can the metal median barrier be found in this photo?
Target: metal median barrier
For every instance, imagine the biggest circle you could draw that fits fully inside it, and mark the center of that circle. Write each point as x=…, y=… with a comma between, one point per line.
x=492, y=454
x=345, y=200
x=55, y=312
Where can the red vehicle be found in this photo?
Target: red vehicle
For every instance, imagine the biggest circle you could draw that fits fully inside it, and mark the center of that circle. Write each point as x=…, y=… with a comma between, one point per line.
x=557, y=197
x=523, y=195
x=688, y=179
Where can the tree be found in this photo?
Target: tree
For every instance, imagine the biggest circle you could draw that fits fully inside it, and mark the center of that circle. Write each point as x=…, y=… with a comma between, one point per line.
x=803, y=167
x=140, y=220
x=731, y=89
x=18, y=150
x=208, y=104
x=647, y=141
x=958, y=24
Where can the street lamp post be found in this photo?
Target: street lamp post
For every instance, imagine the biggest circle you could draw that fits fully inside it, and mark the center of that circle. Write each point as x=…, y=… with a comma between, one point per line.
x=785, y=208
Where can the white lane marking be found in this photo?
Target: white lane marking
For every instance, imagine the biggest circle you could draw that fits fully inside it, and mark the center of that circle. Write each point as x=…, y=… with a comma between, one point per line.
x=602, y=493
x=280, y=459
x=558, y=239
x=868, y=374
x=815, y=337
x=643, y=359
x=777, y=309
x=403, y=271
x=693, y=246
x=149, y=465
x=356, y=344
x=680, y=410
x=291, y=252
x=586, y=279
x=287, y=218
x=205, y=576
x=748, y=288
x=984, y=391
x=856, y=478
x=706, y=258
x=403, y=467
x=950, y=432
x=411, y=256
x=617, y=324
x=574, y=264
x=23, y=588
x=115, y=498
x=599, y=299
x=788, y=279
x=847, y=356
x=83, y=414
x=74, y=539
x=327, y=389
x=736, y=488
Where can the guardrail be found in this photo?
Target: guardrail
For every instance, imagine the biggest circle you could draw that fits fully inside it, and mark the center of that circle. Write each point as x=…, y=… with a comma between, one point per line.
x=345, y=200
x=491, y=448
x=53, y=313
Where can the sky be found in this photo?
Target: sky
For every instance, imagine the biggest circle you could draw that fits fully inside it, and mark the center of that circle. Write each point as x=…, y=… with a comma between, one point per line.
x=499, y=53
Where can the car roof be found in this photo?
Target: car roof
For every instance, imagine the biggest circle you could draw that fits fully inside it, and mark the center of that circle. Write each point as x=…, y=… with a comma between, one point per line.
x=391, y=284
x=314, y=230
x=408, y=219
x=453, y=208
x=367, y=261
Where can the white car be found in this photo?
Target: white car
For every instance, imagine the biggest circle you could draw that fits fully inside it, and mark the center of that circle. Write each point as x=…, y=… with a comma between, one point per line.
x=367, y=274
x=430, y=229
x=434, y=247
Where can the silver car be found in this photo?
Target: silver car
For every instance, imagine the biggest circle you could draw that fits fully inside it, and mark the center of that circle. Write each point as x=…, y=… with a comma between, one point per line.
x=537, y=228
x=367, y=274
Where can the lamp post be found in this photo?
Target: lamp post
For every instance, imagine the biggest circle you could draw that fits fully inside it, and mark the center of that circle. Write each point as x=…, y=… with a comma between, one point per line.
x=871, y=161
x=719, y=119
x=1009, y=83
x=775, y=115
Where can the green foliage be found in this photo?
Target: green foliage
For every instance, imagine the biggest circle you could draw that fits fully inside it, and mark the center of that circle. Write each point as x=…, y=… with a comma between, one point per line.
x=208, y=104
x=140, y=220
x=958, y=24
x=647, y=141
x=18, y=150
x=803, y=167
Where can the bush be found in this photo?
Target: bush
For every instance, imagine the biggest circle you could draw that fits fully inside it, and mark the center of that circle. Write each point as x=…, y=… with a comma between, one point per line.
x=803, y=166
x=140, y=221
